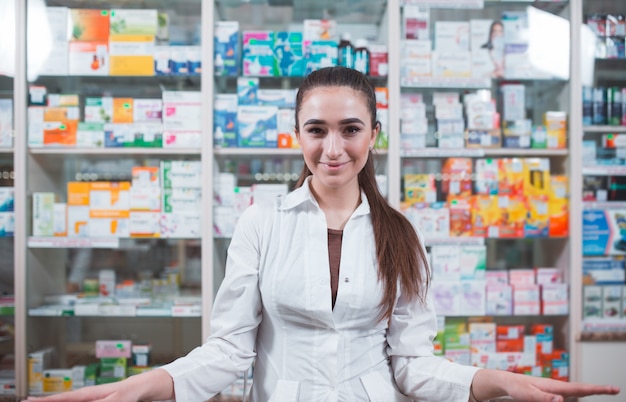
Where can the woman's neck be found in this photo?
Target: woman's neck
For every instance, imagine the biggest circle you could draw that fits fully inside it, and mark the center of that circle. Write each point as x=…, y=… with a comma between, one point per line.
x=337, y=204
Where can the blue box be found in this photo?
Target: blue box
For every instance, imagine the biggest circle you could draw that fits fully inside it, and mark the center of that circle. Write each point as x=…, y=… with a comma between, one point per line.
x=257, y=126
x=226, y=48
x=115, y=135
x=288, y=54
x=603, y=271
x=319, y=54
x=247, y=90
x=225, y=121
x=604, y=232
x=283, y=98
x=258, y=54
x=7, y=199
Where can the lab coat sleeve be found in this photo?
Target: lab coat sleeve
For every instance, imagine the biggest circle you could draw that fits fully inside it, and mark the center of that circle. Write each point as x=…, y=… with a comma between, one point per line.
x=418, y=373
x=237, y=313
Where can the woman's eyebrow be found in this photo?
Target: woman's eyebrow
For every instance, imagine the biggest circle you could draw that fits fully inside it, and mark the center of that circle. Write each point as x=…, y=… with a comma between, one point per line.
x=351, y=120
x=314, y=121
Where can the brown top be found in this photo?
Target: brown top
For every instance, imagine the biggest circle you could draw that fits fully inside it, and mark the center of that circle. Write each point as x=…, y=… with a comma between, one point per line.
x=334, y=257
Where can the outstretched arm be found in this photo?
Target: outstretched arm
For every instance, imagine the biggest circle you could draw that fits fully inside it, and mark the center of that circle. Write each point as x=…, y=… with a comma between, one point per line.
x=488, y=384
x=154, y=385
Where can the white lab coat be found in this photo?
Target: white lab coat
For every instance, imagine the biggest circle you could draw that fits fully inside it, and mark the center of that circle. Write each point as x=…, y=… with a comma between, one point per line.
x=275, y=304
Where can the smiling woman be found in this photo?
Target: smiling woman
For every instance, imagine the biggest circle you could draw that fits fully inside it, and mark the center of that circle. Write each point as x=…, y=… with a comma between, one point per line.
x=326, y=288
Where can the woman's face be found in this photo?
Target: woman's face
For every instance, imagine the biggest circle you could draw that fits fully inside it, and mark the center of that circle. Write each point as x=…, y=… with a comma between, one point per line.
x=497, y=31
x=335, y=133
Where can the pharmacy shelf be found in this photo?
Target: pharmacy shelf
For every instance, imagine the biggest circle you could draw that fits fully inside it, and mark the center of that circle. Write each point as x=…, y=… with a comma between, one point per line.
x=603, y=205
x=455, y=241
x=257, y=151
x=115, y=310
x=604, y=129
x=604, y=170
x=73, y=242
x=114, y=151
x=446, y=82
x=6, y=150
x=526, y=152
x=270, y=152
x=455, y=4
x=480, y=152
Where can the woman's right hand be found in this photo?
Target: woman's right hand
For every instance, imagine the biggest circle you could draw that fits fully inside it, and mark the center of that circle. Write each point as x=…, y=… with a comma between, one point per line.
x=114, y=392
x=154, y=385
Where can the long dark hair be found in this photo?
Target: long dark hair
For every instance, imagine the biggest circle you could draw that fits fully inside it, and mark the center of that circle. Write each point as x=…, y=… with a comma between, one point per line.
x=489, y=44
x=400, y=255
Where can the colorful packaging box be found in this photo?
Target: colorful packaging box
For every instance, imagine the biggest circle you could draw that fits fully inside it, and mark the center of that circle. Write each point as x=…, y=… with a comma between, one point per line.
x=89, y=25
x=225, y=120
x=603, y=232
x=257, y=126
x=226, y=48
x=485, y=216
x=288, y=54
x=258, y=53
x=89, y=58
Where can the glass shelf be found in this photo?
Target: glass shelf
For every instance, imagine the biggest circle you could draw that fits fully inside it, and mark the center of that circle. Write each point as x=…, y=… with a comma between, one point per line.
x=62, y=151
x=604, y=129
x=477, y=153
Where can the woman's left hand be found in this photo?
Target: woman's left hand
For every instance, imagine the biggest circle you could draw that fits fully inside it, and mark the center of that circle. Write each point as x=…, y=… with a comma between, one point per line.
x=493, y=383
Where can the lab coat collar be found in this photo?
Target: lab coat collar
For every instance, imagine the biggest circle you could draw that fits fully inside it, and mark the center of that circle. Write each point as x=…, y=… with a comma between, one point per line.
x=303, y=194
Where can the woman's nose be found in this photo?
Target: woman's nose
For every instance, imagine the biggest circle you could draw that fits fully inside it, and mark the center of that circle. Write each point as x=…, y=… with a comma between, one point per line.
x=332, y=145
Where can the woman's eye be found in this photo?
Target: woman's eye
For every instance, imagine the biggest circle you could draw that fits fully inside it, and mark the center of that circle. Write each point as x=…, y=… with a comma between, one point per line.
x=352, y=130
x=315, y=130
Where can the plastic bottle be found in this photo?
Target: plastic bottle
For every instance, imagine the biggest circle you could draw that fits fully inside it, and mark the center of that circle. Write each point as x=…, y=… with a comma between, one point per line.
x=362, y=57
x=346, y=51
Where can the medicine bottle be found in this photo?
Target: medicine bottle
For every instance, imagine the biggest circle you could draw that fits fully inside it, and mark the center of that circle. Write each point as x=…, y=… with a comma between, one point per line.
x=362, y=57
x=346, y=51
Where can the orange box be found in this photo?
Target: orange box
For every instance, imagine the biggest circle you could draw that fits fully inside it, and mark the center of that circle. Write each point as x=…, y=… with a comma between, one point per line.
x=109, y=196
x=61, y=133
x=78, y=193
x=457, y=176
x=510, y=338
x=122, y=110
x=460, y=209
x=53, y=114
x=558, y=217
x=90, y=25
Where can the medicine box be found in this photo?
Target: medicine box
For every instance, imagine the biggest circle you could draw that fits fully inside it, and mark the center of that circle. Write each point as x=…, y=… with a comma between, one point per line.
x=288, y=54
x=89, y=25
x=226, y=48
x=258, y=53
x=43, y=210
x=257, y=126
x=603, y=233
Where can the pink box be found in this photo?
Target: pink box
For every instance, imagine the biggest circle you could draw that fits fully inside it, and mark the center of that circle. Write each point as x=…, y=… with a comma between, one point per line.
x=113, y=349
x=522, y=277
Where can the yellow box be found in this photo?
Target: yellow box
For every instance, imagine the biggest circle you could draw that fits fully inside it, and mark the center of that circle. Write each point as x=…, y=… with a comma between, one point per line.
x=485, y=216
x=122, y=110
x=512, y=215
x=131, y=55
x=537, y=176
x=57, y=380
x=556, y=129
x=419, y=188
x=559, y=186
